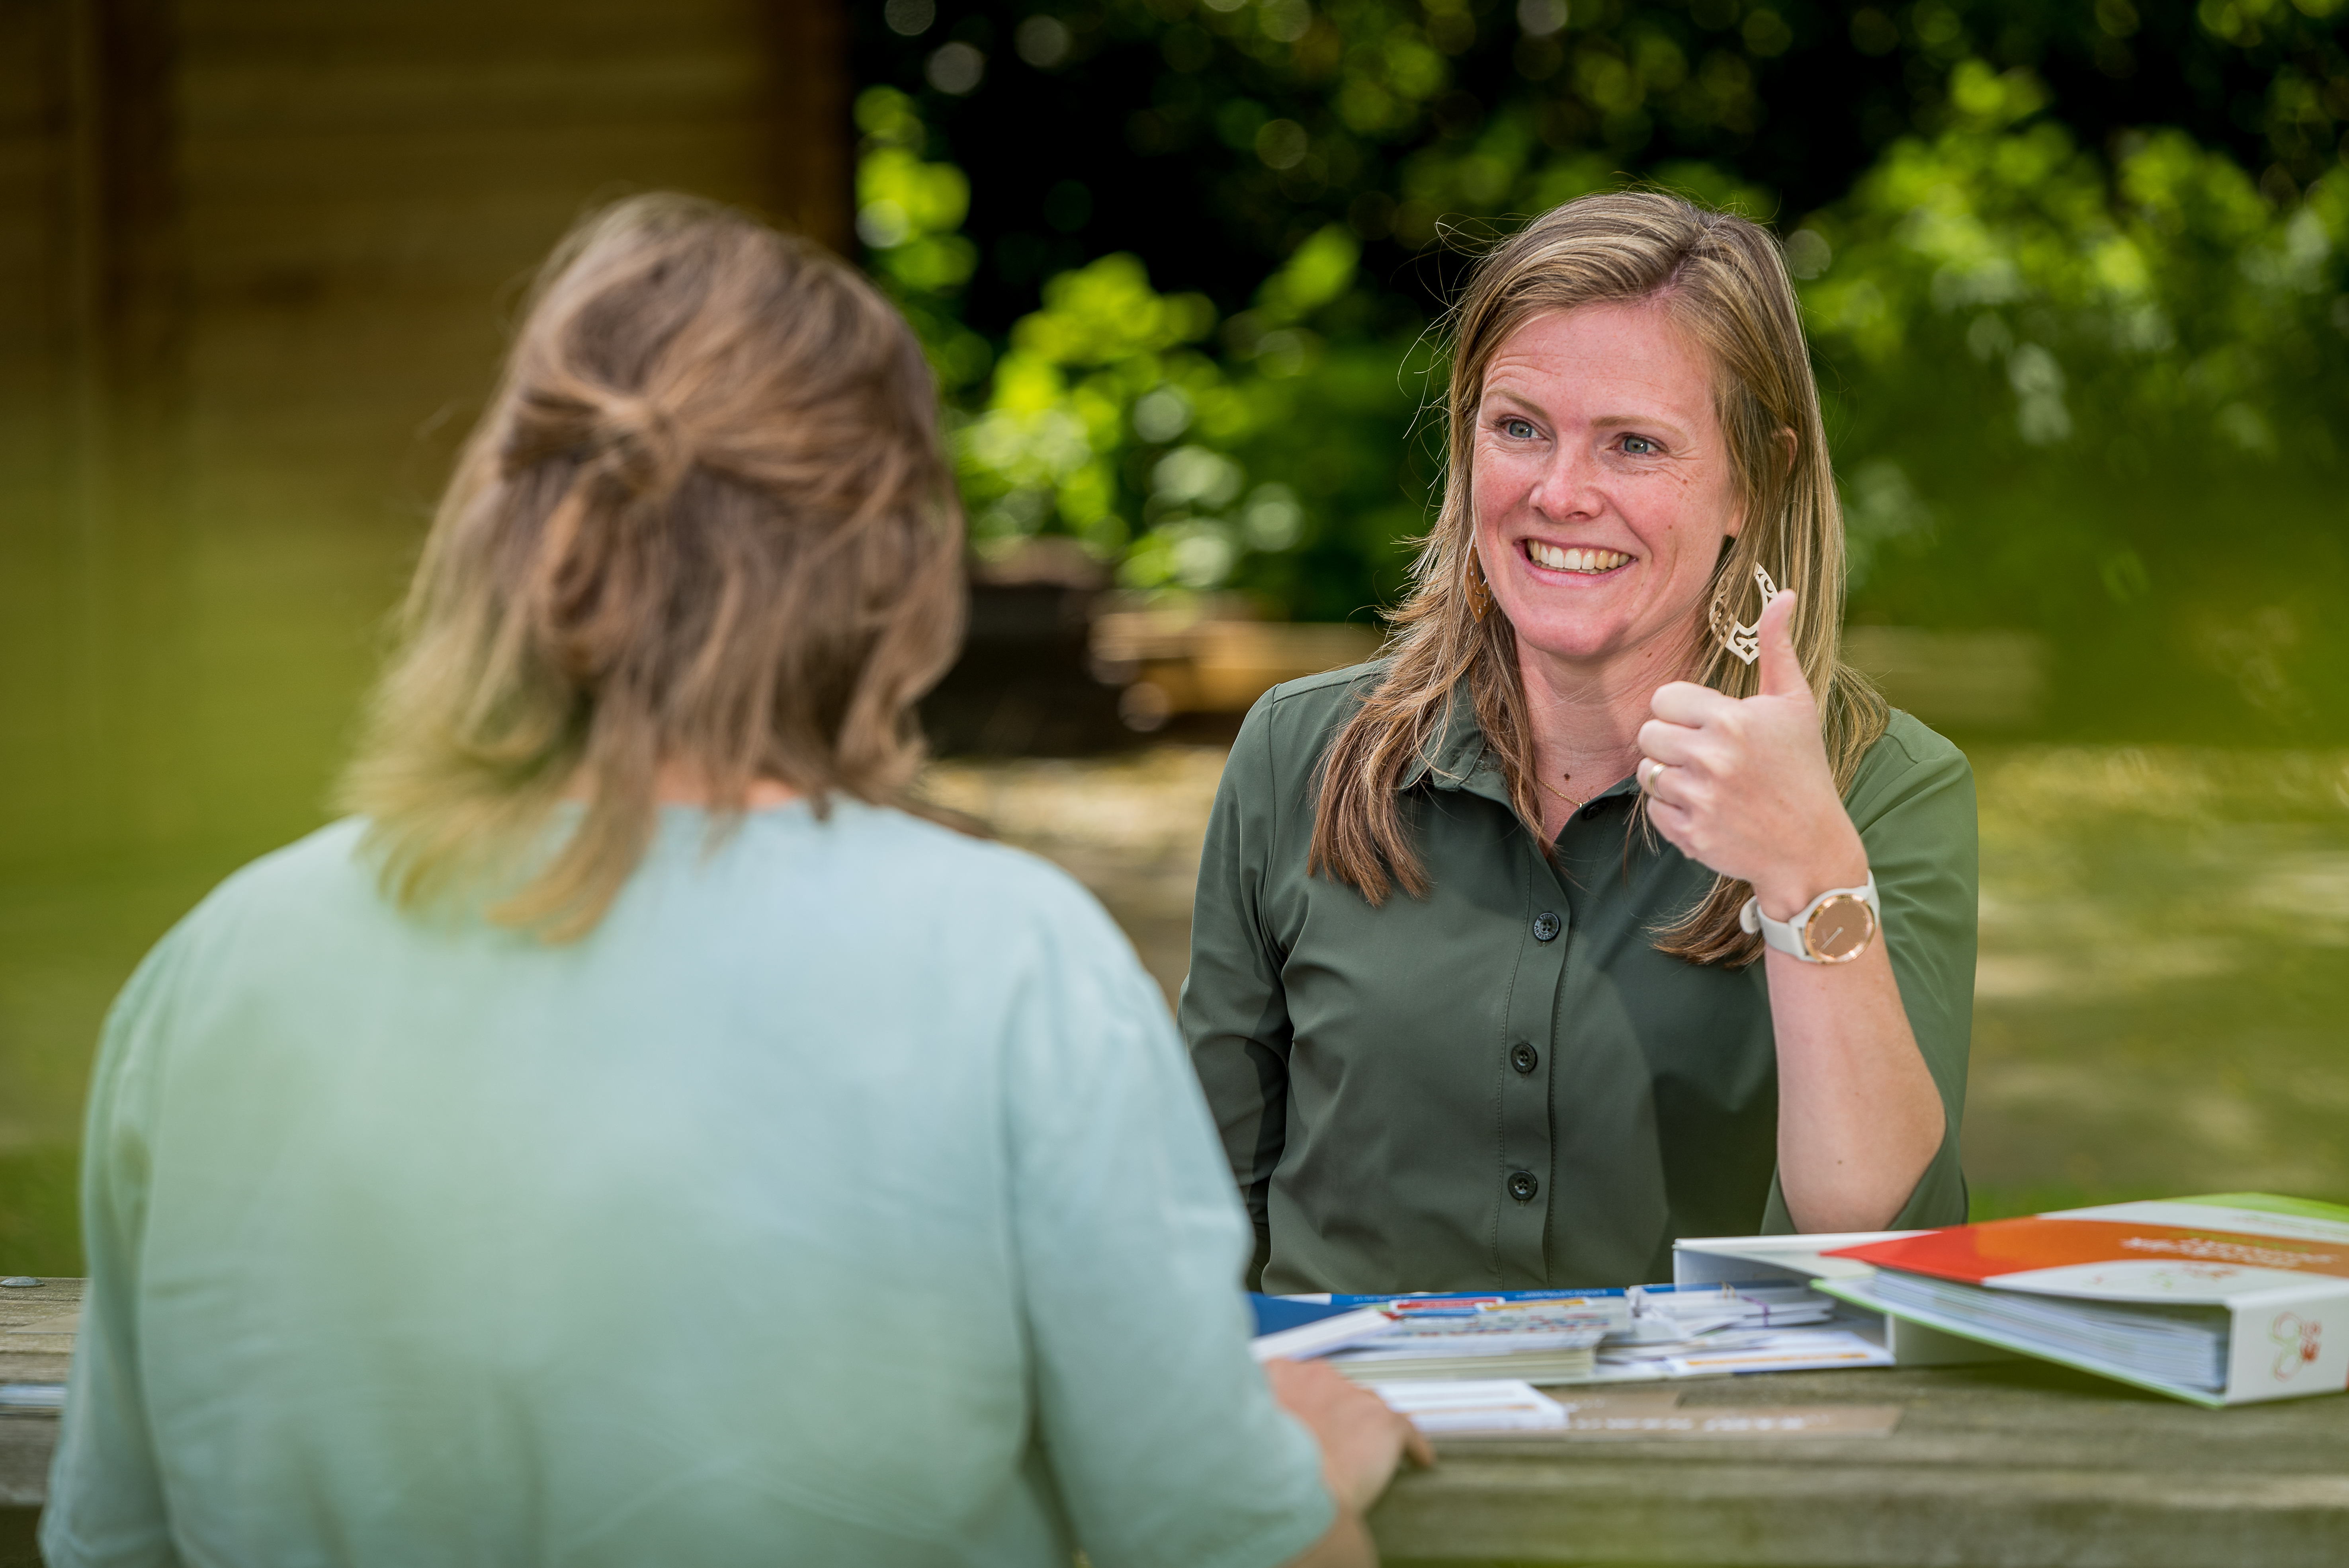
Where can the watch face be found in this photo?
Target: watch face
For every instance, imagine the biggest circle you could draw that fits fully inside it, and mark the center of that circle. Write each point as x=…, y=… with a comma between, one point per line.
x=1839, y=929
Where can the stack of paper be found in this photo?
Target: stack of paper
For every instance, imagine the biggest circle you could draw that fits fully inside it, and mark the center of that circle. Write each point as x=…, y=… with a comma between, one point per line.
x=2175, y=1344
x=1736, y=1351
x=1567, y=1337
x=1539, y=1339
x=1609, y=1309
x=1660, y=1313
x=1474, y=1404
x=1560, y=1358
x=1300, y=1330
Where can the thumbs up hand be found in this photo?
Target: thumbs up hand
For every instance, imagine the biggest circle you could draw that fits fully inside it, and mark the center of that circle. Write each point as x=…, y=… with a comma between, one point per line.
x=1744, y=787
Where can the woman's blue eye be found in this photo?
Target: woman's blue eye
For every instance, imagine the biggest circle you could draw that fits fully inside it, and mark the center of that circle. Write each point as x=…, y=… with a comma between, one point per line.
x=1519, y=428
x=1639, y=446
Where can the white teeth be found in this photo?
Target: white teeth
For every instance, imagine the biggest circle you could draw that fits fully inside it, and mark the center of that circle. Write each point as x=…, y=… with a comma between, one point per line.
x=1583, y=560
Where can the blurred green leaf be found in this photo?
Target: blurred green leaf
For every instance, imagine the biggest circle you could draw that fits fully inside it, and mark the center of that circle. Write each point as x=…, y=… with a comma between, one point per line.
x=2086, y=376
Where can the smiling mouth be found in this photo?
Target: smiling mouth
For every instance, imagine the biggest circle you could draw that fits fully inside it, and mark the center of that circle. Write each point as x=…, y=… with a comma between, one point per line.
x=1588, y=562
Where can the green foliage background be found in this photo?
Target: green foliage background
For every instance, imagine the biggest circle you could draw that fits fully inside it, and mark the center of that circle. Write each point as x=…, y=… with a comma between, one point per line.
x=2087, y=371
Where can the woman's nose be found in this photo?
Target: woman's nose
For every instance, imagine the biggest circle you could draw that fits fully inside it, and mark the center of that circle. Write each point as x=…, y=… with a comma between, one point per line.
x=1566, y=485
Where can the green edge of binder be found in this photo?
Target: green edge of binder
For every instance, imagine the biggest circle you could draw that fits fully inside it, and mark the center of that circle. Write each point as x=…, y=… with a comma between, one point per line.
x=2267, y=1203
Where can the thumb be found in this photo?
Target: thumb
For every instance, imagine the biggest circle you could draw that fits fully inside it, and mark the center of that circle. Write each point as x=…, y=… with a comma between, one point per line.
x=1782, y=668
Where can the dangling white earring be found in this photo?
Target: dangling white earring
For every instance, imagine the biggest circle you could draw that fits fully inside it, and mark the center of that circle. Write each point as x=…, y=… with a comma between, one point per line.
x=1743, y=642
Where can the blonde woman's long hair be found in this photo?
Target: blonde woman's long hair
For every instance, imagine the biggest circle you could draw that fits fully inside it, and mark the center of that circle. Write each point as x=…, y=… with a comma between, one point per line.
x=705, y=522
x=1722, y=281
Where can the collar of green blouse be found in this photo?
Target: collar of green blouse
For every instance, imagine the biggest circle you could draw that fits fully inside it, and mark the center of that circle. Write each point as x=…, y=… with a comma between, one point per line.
x=1456, y=757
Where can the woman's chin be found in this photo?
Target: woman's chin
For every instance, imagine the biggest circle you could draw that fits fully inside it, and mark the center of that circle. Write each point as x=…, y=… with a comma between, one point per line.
x=1575, y=643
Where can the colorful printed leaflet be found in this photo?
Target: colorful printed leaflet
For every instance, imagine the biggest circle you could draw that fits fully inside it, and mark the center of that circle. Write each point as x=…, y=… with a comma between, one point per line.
x=2219, y=1300
x=1540, y=1339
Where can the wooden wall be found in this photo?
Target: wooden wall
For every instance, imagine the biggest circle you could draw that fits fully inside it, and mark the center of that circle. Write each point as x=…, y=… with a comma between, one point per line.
x=256, y=256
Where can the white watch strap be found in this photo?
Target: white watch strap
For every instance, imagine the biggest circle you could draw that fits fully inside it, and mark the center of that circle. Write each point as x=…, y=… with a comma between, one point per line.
x=1787, y=935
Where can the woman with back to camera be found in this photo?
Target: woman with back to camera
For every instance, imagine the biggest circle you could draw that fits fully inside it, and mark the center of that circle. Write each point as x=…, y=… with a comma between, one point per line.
x=1473, y=991
x=631, y=1141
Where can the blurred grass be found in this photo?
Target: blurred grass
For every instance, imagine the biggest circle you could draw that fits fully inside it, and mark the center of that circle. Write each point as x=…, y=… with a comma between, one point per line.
x=71, y=931
x=2164, y=991
x=2162, y=1007
x=39, y=1232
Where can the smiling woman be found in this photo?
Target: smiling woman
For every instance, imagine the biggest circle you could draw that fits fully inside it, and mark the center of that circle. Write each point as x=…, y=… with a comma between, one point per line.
x=1557, y=1052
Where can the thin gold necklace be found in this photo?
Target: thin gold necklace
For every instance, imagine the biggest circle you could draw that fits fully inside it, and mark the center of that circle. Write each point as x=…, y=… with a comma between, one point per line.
x=1561, y=794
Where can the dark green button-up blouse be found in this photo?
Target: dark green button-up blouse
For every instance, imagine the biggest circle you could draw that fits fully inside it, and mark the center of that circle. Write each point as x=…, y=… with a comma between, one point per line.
x=1504, y=1084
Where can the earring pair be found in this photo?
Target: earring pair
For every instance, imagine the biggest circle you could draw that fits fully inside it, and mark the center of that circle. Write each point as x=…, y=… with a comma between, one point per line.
x=1743, y=642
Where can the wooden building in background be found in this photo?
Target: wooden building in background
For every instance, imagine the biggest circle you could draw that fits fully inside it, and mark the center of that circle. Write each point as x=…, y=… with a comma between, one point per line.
x=256, y=261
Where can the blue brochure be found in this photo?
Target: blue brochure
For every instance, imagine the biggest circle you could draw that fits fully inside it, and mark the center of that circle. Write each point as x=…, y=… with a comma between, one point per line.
x=1274, y=1314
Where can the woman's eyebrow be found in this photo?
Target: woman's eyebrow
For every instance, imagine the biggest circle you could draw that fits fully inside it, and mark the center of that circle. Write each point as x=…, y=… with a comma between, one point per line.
x=1649, y=421
x=1503, y=391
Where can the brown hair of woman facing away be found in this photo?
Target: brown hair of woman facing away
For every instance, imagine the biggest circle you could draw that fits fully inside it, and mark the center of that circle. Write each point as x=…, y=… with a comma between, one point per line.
x=1723, y=281
x=705, y=523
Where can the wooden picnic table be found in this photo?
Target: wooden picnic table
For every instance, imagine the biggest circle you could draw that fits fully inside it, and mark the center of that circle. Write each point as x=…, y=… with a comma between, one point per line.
x=2009, y=1465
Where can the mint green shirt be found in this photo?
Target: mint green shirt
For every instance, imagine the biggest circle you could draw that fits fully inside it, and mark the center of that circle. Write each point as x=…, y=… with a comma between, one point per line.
x=842, y=1198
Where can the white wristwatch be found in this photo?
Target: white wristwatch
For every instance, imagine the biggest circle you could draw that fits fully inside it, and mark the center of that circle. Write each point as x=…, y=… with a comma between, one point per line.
x=1833, y=928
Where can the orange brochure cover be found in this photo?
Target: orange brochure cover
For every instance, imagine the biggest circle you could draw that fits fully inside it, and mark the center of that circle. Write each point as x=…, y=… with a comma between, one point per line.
x=2181, y=1262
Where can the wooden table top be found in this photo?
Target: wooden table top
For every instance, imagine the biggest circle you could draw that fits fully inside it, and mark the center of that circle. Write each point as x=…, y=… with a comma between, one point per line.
x=37, y=1330
x=2010, y=1465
